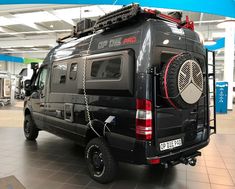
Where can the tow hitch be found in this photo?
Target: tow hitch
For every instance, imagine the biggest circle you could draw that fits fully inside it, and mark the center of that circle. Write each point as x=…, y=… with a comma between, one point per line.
x=190, y=160
x=187, y=160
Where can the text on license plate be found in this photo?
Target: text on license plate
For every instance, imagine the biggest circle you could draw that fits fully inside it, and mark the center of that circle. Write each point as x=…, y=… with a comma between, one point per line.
x=170, y=144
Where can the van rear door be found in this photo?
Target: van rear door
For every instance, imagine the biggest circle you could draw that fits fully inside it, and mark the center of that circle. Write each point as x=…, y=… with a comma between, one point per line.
x=176, y=128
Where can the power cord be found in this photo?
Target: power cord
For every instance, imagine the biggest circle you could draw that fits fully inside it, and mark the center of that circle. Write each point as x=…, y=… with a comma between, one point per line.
x=84, y=84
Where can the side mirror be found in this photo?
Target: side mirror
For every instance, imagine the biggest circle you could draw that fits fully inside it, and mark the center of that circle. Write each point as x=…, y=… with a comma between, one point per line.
x=27, y=87
x=34, y=65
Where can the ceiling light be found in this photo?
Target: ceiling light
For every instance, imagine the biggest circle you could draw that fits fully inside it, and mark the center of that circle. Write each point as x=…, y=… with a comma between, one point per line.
x=209, y=42
x=32, y=17
x=26, y=51
x=70, y=13
x=84, y=12
x=37, y=32
x=51, y=26
x=226, y=23
x=163, y=9
x=6, y=21
x=27, y=46
x=41, y=16
x=218, y=34
x=166, y=41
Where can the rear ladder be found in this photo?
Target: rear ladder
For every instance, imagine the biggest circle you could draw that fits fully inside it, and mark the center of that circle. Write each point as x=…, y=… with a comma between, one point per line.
x=210, y=72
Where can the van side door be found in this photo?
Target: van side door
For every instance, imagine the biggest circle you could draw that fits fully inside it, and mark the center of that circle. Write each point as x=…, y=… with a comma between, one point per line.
x=61, y=96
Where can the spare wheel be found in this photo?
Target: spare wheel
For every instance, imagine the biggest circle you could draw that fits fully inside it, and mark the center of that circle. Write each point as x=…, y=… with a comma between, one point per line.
x=182, y=81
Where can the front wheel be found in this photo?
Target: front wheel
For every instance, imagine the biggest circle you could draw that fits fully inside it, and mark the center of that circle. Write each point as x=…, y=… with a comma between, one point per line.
x=30, y=129
x=101, y=164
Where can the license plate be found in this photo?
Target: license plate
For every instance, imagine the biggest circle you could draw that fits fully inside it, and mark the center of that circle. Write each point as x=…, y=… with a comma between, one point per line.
x=170, y=144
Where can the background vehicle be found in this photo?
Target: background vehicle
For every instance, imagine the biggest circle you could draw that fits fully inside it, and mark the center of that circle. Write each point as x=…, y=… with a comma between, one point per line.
x=6, y=96
x=136, y=91
x=25, y=74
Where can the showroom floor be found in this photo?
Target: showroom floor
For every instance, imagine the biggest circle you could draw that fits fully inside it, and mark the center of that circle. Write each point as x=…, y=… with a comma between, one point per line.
x=55, y=163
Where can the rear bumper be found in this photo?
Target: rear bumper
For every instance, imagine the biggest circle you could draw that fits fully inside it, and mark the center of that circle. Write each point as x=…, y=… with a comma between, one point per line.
x=134, y=151
x=174, y=156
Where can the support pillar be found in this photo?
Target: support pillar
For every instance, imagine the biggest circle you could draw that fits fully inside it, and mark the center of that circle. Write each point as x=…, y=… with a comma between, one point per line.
x=229, y=60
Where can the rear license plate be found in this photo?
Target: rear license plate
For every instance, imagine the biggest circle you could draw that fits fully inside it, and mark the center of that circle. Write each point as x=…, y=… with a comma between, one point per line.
x=170, y=144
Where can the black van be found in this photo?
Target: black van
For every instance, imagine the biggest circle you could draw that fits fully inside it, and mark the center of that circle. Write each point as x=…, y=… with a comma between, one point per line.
x=132, y=87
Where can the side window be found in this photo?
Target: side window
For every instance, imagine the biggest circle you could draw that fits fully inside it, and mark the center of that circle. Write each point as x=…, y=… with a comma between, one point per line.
x=41, y=79
x=59, y=71
x=106, y=69
x=110, y=73
x=73, y=71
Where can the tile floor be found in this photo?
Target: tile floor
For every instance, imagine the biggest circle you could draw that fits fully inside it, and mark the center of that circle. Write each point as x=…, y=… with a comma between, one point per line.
x=55, y=163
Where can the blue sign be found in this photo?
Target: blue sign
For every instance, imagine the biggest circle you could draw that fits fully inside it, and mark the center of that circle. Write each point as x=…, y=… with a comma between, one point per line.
x=220, y=43
x=221, y=97
x=8, y=58
x=217, y=7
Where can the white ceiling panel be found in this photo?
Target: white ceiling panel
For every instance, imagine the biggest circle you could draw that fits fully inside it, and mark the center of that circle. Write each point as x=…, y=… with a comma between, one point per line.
x=31, y=28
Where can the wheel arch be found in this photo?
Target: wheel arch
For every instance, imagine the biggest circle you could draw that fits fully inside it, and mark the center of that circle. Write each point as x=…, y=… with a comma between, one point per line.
x=97, y=126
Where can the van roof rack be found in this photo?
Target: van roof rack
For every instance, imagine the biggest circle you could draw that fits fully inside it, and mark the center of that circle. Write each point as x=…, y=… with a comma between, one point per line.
x=87, y=26
x=84, y=28
x=120, y=17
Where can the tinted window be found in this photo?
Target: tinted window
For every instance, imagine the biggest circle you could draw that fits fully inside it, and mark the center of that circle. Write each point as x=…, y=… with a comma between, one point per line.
x=42, y=78
x=73, y=71
x=59, y=73
x=106, y=69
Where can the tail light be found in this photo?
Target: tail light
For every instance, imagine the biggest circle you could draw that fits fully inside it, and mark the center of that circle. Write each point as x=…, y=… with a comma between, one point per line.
x=143, y=119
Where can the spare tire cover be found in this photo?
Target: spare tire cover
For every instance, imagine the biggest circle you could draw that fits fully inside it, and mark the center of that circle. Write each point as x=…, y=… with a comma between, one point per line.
x=182, y=81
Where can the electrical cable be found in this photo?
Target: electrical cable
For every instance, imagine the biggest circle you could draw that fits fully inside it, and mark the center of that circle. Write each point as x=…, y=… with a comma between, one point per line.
x=84, y=83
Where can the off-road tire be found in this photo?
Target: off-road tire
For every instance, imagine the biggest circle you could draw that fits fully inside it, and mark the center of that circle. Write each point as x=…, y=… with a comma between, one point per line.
x=110, y=164
x=30, y=129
